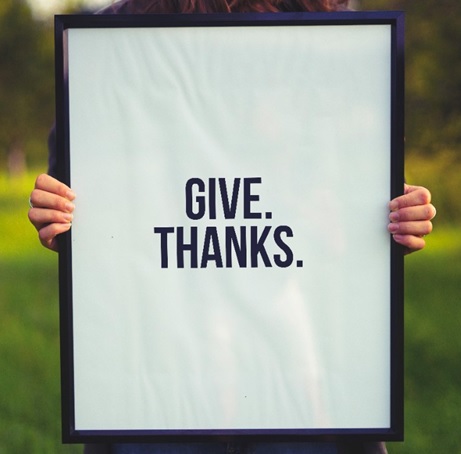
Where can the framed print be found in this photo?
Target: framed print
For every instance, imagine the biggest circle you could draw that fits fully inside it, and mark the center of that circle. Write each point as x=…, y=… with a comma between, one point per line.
x=229, y=274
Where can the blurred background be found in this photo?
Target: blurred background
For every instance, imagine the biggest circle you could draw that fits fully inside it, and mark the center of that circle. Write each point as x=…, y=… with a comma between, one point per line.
x=29, y=334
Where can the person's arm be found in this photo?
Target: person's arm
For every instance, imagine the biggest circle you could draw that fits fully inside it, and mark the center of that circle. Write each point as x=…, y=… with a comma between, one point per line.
x=51, y=209
x=410, y=217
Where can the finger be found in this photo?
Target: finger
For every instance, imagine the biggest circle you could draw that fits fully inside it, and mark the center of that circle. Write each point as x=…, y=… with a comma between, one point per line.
x=415, y=213
x=40, y=198
x=411, y=243
x=47, y=183
x=48, y=235
x=414, y=196
x=39, y=217
x=416, y=228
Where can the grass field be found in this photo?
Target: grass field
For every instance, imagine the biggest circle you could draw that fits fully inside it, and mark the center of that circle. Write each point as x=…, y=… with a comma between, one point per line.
x=29, y=334
x=29, y=339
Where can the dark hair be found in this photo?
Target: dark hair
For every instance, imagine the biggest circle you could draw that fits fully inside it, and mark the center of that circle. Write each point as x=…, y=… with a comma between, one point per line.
x=231, y=6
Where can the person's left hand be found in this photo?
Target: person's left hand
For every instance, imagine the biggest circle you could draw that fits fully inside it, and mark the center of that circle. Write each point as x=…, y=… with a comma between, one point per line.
x=410, y=217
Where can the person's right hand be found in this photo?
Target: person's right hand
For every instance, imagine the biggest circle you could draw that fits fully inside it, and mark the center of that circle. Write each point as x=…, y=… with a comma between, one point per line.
x=51, y=210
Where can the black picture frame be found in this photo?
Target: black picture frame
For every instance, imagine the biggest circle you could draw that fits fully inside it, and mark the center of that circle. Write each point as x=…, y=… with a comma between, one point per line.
x=72, y=433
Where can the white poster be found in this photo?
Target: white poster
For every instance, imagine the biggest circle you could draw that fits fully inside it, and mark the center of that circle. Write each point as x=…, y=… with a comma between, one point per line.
x=230, y=262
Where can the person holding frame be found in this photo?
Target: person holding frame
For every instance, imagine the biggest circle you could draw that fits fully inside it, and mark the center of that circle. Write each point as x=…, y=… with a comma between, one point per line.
x=52, y=206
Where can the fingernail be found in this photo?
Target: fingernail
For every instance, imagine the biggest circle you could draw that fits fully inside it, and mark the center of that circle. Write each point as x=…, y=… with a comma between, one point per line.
x=68, y=217
x=70, y=195
x=69, y=207
x=393, y=205
x=393, y=227
x=394, y=216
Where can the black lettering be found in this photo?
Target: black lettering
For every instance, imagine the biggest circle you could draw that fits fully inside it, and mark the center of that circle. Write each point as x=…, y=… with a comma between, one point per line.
x=212, y=198
x=248, y=197
x=163, y=231
x=283, y=229
x=211, y=242
x=239, y=246
x=181, y=247
x=229, y=207
x=257, y=247
x=199, y=199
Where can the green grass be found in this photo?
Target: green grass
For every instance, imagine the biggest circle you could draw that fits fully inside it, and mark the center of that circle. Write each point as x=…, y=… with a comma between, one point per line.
x=433, y=347
x=29, y=339
x=29, y=335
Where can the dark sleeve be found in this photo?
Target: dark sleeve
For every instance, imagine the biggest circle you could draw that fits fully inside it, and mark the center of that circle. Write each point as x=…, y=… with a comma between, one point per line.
x=362, y=448
x=96, y=449
x=52, y=166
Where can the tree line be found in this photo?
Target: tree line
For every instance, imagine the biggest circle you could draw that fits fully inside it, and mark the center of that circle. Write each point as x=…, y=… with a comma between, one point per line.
x=433, y=72
x=26, y=84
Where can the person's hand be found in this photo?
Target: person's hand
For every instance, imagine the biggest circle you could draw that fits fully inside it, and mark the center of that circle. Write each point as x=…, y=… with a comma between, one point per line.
x=410, y=217
x=51, y=209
